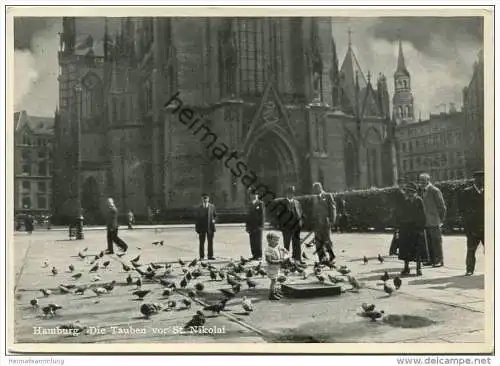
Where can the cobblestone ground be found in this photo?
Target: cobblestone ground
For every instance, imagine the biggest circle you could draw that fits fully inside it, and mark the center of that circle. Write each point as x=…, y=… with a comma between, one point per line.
x=441, y=306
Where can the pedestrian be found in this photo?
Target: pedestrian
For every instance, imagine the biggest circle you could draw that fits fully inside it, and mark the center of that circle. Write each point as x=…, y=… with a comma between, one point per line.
x=291, y=228
x=130, y=219
x=275, y=256
x=342, y=217
x=205, y=226
x=471, y=208
x=398, y=210
x=325, y=213
x=29, y=223
x=411, y=227
x=435, y=213
x=112, y=228
x=255, y=224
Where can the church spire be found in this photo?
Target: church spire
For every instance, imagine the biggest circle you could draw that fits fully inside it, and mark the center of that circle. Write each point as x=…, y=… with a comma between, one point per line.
x=401, y=69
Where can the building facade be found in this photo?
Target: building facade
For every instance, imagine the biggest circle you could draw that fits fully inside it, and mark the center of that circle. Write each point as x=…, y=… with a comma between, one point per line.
x=473, y=99
x=436, y=146
x=269, y=89
x=33, y=141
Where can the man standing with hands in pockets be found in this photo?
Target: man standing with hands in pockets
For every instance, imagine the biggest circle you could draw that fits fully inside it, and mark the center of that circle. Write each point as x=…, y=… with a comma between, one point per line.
x=255, y=224
x=205, y=226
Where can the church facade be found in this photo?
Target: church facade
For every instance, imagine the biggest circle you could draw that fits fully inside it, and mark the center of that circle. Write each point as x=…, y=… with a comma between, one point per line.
x=270, y=103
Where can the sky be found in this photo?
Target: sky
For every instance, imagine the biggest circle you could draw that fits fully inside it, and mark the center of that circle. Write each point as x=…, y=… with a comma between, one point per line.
x=439, y=53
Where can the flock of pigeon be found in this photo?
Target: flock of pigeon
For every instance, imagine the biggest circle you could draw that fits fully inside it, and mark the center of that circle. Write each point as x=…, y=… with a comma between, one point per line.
x=191, y=285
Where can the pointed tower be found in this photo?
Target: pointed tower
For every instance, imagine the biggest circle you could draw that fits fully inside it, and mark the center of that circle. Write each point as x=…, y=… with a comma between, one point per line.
x=335, y=76
x=402, y=101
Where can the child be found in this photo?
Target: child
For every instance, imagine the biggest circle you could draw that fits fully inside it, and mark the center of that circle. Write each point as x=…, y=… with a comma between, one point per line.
x=274, y=258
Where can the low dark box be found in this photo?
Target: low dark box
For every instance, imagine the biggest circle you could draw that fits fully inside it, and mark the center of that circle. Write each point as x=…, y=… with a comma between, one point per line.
x=308, y=290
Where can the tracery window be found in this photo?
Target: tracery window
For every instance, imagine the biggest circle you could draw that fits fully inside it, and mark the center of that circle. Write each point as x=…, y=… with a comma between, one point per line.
x=91, y=100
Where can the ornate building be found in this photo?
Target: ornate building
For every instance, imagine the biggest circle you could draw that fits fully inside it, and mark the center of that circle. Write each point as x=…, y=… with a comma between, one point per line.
x=473, y=99
x=33, y=138
x=270, y=88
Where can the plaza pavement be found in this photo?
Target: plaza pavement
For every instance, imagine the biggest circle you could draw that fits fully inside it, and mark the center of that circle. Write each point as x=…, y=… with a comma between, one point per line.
x=450, y=305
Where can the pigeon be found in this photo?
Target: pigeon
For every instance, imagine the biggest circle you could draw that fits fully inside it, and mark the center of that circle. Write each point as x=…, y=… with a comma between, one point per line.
x=119, y=255
x=101, y=254
x=251, y=284
x=365, y=260
x=216, y=308
x=81, y=255
x=249, y=273
x=199, y=286
x=191, y=294
x=187, y=303
x=34, y=303
x=51, y=309
x=231, y=281
x=320, y=278
x=69, y=286
x=141, y=293
x=125, y=267
x=374, y=315
x=388, y=289
x=54, y=270
x=193, y=263
x=243, y=261
x=237, y=288
x=343, y=270
x=136, y=264
x=80, y=290
x=76, y=276
x=138, y=282
x=171, y=304
x=353, y=282
x=167, y=292
x=45, y=263
x=106, y=264
x=99, y=291
x=304, y=255
x=203, y=264
x=247, y=304
x=385, y=277
x=189, y=276
x=71, y=268
x=182, y=263
x=367, y=307
x=222, y=275
x=149, y=269
x=281, y=279
x=85, y=249
x=227, y=292
x=110, y=286
x=150, y=275
x=95, y=268
x=155, y=243
x=310, y=244
x=397, y=282
x=197, y=320
x=156, y=266
x=64, y=290
x=262, y=272
x=46, y=292
x=213, y=275
x=166, y=283
x=149, y=309
x=183, y=283
x=136, y=259
x=380, y=259
x=129, y=280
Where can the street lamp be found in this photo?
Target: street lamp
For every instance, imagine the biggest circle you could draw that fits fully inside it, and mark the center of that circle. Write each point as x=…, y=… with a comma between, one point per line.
x=79, y=218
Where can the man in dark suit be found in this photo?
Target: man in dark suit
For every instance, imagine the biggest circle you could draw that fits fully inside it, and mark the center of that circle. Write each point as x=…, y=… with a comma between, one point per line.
x=471, y=206
x=255, y=224
x=291, y=222
x=205, y=226
x=325, y=213
x=112, y=228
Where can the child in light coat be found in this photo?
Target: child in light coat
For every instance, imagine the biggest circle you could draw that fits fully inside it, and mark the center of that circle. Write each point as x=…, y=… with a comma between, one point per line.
x=275, y=256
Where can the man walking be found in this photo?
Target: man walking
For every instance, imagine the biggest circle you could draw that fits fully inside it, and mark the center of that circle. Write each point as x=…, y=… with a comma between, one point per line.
x=435, y=212
x=112, y=228
x=291, y=228
x=205, y=226
x=325, y=213
x=255, y=224
x=471, y=207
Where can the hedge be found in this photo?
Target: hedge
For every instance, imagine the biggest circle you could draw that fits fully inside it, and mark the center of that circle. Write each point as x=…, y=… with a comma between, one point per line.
x=374, y=208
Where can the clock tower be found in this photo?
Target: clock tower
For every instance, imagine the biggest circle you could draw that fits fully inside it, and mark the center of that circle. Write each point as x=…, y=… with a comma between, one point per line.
x=402, y=102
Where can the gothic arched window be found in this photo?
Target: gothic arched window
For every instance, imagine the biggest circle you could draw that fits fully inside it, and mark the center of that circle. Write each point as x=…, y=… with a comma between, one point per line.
x=91, y=100
x=405, y=84
x=350, y=162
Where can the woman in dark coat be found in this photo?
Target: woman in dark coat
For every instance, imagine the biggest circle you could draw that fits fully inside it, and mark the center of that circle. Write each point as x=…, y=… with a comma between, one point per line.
x=411, y=229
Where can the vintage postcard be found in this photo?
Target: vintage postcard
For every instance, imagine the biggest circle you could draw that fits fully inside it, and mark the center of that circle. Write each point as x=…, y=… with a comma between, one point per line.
x=250, y=179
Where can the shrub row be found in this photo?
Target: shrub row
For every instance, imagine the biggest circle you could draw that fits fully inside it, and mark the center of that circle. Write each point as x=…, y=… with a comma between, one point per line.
x=374, y=208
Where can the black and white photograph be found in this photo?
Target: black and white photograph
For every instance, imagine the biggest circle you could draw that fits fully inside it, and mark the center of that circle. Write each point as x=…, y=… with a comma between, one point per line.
x=260, y=177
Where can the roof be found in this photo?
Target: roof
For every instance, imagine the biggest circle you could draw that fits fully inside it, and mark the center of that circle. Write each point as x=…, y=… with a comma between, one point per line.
x=37, y=125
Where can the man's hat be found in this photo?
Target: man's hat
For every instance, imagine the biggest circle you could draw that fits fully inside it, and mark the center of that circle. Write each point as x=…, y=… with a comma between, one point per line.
x=272, y=237
x=479, y=173
x=204, y=195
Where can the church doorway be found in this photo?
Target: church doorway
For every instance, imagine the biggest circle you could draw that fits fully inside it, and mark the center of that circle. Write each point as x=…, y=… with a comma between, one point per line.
x=90, y=201
x=273, y=163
